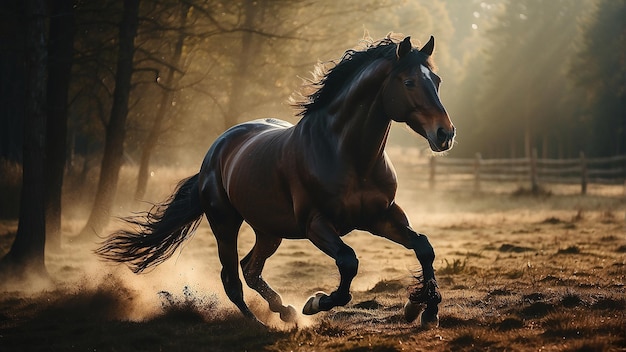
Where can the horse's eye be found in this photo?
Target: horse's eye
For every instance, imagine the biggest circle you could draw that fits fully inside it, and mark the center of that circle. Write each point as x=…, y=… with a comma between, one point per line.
x=409, y=83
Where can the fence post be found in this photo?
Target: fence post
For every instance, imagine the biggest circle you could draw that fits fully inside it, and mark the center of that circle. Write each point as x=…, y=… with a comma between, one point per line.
x=431, y=178
x=477, y=172
x=624, y=176
x=534, y=186
x=584, y=176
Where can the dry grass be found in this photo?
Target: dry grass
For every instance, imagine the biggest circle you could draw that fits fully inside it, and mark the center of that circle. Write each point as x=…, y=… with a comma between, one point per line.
x=516, y=274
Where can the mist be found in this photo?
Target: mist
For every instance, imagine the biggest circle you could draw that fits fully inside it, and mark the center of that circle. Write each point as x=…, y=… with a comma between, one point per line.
x=520, y=79
x=513, y=73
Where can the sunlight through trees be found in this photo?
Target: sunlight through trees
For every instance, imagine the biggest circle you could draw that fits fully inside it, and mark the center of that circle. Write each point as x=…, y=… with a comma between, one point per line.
x=518, y=75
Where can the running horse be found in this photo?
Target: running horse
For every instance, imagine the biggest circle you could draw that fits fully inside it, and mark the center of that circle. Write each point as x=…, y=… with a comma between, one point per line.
x=317, y=180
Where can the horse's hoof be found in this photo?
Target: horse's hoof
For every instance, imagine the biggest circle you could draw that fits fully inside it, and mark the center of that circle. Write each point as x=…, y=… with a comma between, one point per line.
x=429, y=321
x=312, y=306
x=288, y=314
x=412, y=311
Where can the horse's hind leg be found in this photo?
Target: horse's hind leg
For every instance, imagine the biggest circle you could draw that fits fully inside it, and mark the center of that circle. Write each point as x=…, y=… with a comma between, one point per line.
x=225, y=222
x=252, y=267
x=227, y=249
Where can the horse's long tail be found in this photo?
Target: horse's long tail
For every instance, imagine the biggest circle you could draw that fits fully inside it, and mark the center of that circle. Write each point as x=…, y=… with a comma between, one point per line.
x=158, y=232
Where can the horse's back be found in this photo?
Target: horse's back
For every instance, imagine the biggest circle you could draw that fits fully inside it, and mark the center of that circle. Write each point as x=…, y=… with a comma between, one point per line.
x=239, y=136
x=244, y=165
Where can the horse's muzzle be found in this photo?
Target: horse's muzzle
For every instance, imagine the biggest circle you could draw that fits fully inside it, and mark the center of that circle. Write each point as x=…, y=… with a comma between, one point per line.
x=443, y=139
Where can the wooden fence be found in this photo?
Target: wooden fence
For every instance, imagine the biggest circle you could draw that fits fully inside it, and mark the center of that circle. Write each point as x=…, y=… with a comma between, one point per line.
x=532, y=171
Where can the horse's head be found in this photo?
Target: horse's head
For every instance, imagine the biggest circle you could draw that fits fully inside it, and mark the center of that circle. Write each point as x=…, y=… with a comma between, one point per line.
x=411, y=95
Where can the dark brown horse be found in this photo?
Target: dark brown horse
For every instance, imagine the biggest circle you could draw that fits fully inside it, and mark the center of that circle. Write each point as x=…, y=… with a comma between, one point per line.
x=319, y=180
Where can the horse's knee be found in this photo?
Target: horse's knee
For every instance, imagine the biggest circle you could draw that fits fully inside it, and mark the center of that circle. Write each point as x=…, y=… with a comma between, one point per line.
x=347, y=262
x=423, y=249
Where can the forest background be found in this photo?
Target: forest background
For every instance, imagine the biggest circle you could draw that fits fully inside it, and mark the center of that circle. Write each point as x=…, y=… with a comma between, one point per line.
x=100, y=84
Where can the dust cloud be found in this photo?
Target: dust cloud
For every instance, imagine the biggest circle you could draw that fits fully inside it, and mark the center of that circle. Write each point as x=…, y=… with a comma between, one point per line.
x=491, y=247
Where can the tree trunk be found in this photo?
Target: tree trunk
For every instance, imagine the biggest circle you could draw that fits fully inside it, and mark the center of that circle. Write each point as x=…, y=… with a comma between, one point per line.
x=12, y=85
x=60, y=52
x=26, y=256
x=166, y=101
x=115, y=129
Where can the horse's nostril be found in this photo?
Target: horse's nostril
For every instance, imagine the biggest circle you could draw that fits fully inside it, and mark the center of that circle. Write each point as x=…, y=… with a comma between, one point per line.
x=442, y=135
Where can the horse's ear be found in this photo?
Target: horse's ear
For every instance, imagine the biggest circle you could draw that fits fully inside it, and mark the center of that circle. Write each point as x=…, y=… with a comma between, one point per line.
x=404, y=48
x=428, y=48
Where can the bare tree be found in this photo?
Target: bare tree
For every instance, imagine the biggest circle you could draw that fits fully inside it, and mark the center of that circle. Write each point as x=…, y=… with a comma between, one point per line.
x=26, y=256
x=165, y=102
x=115, y=129
x=60, y=51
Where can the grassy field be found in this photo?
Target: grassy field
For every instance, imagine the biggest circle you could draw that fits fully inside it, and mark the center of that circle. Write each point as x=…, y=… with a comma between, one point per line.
x=517, y=273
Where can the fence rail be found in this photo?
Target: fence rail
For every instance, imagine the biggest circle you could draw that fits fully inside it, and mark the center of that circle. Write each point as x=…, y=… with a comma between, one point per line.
x=533, y=170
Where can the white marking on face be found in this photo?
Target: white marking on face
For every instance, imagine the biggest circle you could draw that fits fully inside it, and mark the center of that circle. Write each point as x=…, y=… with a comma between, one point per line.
x=426, y=73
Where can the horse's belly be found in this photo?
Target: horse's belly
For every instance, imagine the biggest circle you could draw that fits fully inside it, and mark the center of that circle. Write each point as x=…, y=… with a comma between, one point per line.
x=357, y=209
x=266, y=211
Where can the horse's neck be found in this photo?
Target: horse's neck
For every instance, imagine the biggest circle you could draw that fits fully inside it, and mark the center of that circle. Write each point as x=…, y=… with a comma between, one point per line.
x=360, y=122
x=353, y=126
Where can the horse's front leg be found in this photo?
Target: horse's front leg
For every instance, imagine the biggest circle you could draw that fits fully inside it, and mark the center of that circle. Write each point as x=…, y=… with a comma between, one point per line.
x=394, y=225
x=324, y=236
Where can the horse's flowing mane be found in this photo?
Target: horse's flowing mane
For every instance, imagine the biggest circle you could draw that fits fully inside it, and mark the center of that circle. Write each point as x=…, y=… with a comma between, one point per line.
x=327, y=81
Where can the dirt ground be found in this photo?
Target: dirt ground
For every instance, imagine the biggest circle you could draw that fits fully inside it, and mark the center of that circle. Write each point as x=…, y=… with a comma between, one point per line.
x=517, y=273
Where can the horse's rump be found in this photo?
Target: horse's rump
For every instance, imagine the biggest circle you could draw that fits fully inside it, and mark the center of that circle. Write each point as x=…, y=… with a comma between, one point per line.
x=250, y=164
